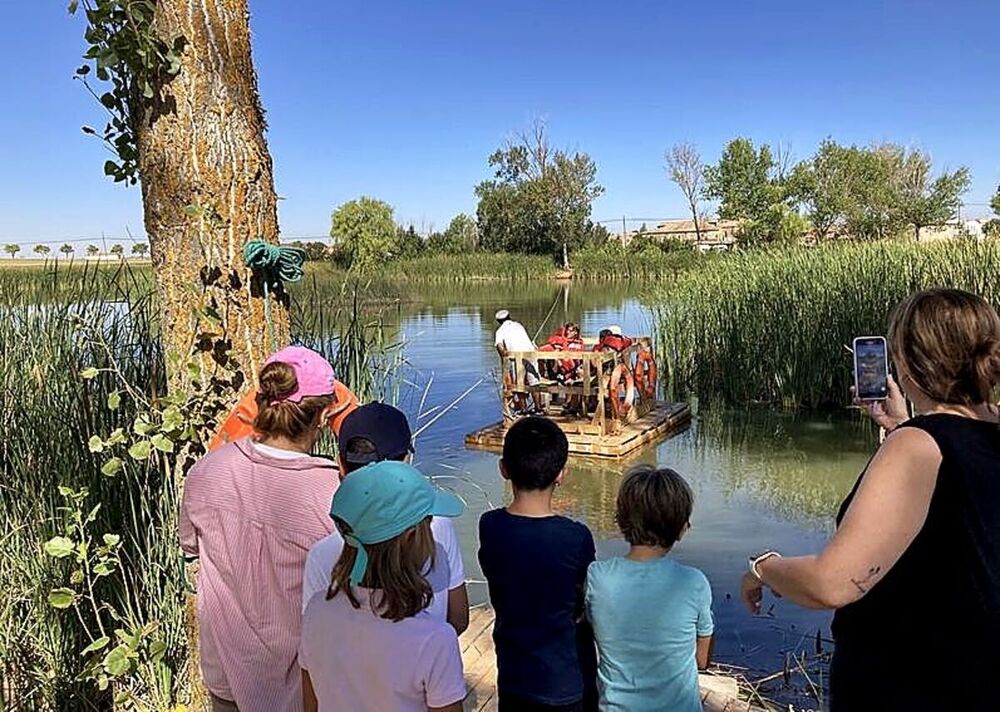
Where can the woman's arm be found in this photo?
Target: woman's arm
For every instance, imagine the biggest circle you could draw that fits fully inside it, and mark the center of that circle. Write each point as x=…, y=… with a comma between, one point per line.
x=309, y=701
x=887, y=512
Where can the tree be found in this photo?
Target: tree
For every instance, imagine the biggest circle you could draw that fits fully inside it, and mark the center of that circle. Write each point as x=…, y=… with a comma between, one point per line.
x=540, y=198
x=92, y=250
x=461, y=236
x=995, y=202
x=408, y=243
x=67, y=249
x=42, y=250
x=187, y=122
x=117, y=250
x=11, y=249
x=366, y=230
x=685, y=168
x=140, y=249
x=741, y=181
x=922, y=201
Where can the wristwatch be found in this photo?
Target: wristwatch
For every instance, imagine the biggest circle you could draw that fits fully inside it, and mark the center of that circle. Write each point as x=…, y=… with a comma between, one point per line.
x=755, y=560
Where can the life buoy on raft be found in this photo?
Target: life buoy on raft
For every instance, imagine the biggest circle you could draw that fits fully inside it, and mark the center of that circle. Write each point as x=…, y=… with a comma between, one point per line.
x=645, y=373
x=621, y=377
x=239, y=423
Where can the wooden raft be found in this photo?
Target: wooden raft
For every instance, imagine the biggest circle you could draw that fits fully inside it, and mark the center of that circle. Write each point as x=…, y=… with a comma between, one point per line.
x=719, y=693
x=661, y=420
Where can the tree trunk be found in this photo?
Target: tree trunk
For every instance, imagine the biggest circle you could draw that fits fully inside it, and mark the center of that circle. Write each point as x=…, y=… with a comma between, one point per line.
x=697, y=227
x=208, y=188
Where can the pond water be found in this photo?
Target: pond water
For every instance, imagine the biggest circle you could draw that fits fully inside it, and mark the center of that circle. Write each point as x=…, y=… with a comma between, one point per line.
x=761, y=480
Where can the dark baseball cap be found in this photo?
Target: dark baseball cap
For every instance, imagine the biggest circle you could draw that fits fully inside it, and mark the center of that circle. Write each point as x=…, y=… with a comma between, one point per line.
x=381, y=424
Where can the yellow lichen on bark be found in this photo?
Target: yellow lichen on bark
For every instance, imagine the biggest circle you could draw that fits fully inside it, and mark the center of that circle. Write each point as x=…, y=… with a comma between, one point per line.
x=207, y=181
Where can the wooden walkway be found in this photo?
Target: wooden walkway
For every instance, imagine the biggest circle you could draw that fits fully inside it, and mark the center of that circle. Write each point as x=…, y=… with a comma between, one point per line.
x=719, y=693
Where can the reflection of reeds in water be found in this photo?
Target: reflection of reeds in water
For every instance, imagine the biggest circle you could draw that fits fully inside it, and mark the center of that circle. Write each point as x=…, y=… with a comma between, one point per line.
x=800, y=467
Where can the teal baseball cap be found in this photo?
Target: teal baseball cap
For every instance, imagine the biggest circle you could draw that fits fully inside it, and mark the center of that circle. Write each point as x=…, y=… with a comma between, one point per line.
x=381, y=501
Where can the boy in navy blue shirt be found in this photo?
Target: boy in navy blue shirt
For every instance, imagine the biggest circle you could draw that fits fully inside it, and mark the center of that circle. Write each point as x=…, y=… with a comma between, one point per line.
x=535, y=563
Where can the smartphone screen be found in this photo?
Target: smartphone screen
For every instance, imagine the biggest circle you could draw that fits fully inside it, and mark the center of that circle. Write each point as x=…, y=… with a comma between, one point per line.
x=871, y=368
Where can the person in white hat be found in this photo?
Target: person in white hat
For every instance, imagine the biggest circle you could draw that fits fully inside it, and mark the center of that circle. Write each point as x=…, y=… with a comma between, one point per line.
x=511, y=337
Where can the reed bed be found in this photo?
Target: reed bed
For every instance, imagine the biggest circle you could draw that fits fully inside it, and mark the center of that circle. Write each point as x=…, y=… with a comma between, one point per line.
x=775, y=326
x=648, y=264
x=54, y=325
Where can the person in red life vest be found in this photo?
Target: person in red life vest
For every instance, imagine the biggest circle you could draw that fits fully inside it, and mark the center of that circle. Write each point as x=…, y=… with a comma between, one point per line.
x=611, y=339
x=565, y=338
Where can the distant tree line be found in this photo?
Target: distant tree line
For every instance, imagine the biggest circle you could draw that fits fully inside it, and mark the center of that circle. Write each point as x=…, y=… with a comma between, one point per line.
x=538, y=201
x=863, y=192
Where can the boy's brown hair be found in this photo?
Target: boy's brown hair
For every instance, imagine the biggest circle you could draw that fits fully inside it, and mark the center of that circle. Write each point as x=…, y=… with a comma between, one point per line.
x=395, y=567
x=654, y=506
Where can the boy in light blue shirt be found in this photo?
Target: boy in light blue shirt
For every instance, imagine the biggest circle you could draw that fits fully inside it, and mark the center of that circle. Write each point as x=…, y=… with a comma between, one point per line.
x=652, y=617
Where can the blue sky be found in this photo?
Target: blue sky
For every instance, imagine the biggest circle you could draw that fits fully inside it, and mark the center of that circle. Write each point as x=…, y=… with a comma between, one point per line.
x=405, y=100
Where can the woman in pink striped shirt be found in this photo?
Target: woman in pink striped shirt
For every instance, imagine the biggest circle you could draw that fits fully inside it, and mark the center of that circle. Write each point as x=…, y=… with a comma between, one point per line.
x=251, y=511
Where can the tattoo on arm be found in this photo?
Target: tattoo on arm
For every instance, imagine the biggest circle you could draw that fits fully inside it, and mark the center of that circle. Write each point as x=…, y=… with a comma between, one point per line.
x=864, y=584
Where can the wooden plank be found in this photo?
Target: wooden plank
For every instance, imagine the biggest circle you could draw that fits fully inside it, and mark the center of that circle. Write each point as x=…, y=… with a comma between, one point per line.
x=661, y=420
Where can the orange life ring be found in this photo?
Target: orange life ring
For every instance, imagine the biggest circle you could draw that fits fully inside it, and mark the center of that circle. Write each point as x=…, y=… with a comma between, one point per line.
x=620, y=377
x=239, y=423
x=645, y=373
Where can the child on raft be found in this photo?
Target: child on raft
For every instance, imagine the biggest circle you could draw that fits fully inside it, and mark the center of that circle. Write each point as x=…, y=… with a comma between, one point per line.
x=369, y=645
x=250, y=511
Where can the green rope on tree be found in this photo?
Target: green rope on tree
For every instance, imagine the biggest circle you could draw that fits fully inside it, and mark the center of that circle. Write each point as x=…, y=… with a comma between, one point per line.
x=272, y=265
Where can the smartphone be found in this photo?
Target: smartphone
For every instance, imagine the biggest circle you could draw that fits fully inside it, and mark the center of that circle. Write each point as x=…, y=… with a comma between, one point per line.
x=871, y=368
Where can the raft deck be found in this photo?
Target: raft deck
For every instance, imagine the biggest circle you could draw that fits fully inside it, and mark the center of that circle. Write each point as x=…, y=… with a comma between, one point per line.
x=719, y=692
x=660, y=420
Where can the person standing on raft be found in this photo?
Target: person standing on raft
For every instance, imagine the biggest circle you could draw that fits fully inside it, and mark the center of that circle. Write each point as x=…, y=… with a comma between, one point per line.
x=511, y=337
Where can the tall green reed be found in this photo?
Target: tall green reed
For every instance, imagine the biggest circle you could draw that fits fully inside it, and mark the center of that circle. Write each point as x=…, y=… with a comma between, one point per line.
x=80, y=354
x=774, y=326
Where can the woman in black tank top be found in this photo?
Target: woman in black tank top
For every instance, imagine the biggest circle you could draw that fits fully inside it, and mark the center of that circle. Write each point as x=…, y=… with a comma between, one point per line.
x=913, y=569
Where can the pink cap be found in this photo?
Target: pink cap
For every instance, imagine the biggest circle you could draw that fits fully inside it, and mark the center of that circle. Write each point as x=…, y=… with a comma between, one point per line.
x=313, y=372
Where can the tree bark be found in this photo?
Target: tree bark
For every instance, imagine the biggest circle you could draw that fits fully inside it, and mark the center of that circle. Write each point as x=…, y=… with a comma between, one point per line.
x=208, y=188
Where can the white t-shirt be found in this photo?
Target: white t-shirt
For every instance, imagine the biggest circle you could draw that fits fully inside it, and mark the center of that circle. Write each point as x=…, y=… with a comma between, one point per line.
x=448, y=572
x=512, y=336
x=360, y=662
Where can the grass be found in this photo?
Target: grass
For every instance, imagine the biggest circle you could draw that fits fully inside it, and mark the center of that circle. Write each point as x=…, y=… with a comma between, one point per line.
x=772, y=327
x=51, y=412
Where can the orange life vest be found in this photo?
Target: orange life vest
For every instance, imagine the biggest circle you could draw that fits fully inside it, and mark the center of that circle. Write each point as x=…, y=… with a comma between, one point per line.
x=239, y=423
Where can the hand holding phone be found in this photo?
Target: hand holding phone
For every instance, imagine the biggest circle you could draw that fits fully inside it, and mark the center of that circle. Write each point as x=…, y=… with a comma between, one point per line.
x=871, y=368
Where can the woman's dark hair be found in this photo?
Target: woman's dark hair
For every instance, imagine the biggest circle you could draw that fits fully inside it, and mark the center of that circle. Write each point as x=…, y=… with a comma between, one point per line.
x=534, y=453
x=276, y=416
x=396, y=568
x=948, y=343
x=654, y=506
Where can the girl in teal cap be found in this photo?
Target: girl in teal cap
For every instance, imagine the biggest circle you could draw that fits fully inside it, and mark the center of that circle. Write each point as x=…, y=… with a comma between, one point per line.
x=369, y=644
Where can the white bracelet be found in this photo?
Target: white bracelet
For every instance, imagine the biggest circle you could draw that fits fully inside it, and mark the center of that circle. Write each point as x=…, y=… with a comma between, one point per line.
x=763, y=557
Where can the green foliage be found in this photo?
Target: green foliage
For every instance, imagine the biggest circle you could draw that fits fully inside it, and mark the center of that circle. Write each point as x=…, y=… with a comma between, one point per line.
x=873, y=193
x=366, y=231
x=539, y=199
x=42, y=250
x=741, y=181
x=11, y=249
x=133, y=63
x=117, y=250
x=995, y=202
x=408, y=243
x=461, y=236
x=315, y=251
x=67, y=249
x=140, y=249
x=772, y=325
x=642, y=260
x=92, y=250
